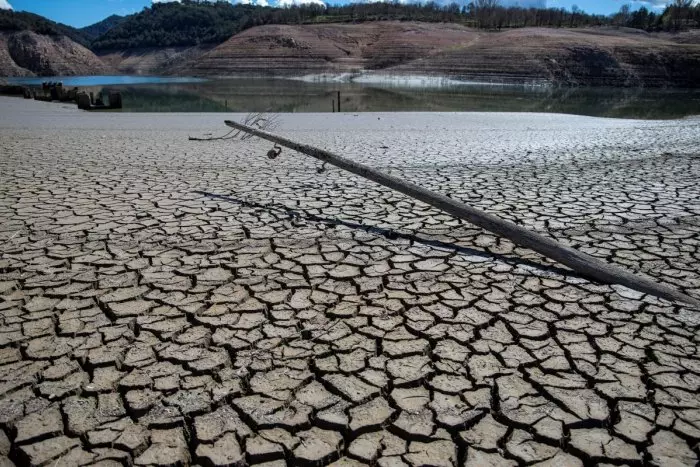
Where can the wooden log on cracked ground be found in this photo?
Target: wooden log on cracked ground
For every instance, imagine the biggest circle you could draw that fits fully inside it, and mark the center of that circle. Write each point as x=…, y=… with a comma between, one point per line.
x=578, y=261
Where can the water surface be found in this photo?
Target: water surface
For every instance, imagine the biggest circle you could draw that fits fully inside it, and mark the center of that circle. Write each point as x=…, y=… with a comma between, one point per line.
x=176, y=94
x=110, y=80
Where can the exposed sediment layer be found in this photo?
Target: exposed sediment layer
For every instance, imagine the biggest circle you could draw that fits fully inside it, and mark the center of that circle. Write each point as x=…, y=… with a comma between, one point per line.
x=373, y=51
x=588, y=57
x=152, y=61
x=591, y=57
x=293, y=50
x=166, y=301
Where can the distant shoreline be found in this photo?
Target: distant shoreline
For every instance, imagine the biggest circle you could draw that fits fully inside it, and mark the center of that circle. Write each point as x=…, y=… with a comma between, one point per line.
x=368, y=77
x=19, y=113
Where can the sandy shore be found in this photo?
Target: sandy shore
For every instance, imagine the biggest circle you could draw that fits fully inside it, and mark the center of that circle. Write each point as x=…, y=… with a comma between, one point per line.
x=167, y=301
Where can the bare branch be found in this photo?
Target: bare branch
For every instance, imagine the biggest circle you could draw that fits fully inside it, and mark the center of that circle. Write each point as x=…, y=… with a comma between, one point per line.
x=260, y=120
x=579, y=261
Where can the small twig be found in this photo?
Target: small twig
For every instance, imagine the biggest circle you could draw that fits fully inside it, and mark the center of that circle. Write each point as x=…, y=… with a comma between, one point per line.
x=258, y=120
x=214, y=138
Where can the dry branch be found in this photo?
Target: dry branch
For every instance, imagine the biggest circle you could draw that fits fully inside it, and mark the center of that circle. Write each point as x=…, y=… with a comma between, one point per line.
x=580, y=262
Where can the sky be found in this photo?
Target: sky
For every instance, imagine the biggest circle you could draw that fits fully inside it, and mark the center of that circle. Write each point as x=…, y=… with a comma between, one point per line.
x=81, y=13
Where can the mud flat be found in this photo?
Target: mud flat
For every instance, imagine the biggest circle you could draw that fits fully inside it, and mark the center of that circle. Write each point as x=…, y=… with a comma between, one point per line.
x=165, y=301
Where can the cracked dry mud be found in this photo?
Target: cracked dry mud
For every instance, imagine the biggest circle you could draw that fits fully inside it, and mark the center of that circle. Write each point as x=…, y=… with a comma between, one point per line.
x=167, y=302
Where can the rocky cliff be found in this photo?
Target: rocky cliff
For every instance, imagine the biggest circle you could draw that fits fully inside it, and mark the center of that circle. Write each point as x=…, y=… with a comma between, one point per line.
x=27, y=53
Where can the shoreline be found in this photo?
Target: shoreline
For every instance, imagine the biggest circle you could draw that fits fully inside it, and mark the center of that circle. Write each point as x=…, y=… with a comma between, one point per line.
x=19, y=112
x=305, y=98
x=368, y=77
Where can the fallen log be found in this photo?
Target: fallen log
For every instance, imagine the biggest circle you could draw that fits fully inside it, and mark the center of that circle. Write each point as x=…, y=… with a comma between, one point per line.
x=578, y=261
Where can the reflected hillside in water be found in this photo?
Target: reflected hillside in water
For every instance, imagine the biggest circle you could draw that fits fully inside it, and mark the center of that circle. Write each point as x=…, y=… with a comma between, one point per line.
x=299, y=96
x=280, y=95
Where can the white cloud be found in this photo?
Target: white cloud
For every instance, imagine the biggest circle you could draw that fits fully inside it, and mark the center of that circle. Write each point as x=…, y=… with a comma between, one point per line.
x=250, y=2
x=288, y=3
x=656, y=4
x=652, y=3
x=5, y=5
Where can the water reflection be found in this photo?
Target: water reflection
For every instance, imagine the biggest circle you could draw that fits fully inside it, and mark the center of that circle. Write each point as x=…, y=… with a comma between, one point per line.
x=299, y=96
x=278, y=95
x=91, y=81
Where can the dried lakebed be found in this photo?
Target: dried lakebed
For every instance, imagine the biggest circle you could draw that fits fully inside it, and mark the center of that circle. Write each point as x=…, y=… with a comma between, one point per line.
x=165, y=301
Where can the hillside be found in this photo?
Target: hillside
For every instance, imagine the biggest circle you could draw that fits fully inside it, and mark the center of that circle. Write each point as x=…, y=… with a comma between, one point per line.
x=152, y=60
x=192, y=23
x=364, y=41
x=33, y=45
x=179, y=25
x=596, y=56
x=100, y=28
x=26, y=53
x=284, y=50
x=14, y=21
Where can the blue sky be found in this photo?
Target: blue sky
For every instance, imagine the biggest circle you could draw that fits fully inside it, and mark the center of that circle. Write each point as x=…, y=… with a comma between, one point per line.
x=84, y=12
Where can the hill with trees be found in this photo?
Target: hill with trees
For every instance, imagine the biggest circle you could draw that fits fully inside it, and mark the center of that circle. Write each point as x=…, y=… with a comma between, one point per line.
x=203, y=37
x=182, y=24
x=388, y=51
x=96, y=30
x=191, y=23
x=14, y=21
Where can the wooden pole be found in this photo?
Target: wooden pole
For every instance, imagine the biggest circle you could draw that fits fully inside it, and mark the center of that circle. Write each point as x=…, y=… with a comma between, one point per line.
x=576, y=260
x=338, y=101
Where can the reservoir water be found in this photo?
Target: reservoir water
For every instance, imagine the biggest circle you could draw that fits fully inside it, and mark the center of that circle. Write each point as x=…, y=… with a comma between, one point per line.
x=183, y=94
